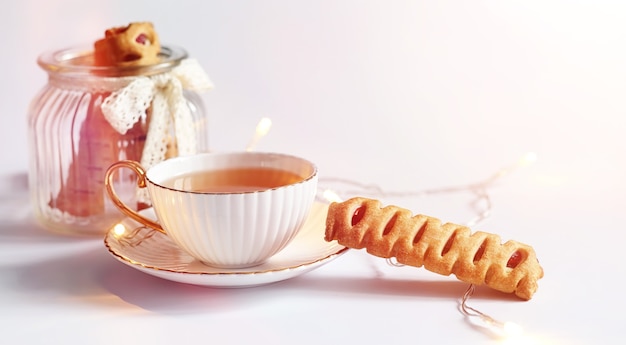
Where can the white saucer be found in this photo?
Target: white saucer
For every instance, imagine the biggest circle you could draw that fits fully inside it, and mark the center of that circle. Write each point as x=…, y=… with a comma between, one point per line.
x=154, y=253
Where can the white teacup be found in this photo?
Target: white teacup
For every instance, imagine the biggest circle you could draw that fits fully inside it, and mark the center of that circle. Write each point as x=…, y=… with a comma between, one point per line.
x=226, y=209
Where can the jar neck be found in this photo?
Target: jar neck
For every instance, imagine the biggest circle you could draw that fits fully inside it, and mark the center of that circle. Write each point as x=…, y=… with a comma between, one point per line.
x=88, y=83
x=73, y=68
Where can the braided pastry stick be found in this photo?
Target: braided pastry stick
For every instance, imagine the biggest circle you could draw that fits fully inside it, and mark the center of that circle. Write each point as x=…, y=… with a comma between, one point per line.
x=420, y=240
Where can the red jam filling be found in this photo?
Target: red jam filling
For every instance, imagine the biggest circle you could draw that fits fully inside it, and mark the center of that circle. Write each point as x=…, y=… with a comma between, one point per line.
x=358, y=215
x=515, y=259
x=142, y=39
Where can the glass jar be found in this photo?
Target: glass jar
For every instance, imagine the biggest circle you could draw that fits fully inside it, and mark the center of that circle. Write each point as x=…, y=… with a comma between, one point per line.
x=72, y=144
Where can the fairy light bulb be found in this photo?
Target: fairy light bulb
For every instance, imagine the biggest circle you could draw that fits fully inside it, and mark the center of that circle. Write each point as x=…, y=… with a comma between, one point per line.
x=331, y=196
x=262, y=128
x=504, y=330
x=119, y=229
x=528, y=158
x=511, y=329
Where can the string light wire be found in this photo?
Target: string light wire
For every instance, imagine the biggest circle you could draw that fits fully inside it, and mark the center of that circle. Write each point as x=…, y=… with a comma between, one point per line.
x=495, y=327
x=482, y=197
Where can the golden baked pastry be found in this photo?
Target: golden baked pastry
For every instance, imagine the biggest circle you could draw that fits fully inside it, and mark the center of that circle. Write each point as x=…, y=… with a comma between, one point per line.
x=478, y=258
x=135, y=44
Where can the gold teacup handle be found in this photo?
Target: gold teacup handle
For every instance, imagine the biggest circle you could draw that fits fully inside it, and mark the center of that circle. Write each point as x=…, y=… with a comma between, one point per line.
x=141, y=183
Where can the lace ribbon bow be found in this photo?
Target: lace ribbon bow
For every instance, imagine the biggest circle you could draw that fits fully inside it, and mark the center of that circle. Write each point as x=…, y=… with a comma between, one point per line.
x=124, y=107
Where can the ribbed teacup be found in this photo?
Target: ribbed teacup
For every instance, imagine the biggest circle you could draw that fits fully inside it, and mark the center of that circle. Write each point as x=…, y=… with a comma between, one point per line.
x=231, y=210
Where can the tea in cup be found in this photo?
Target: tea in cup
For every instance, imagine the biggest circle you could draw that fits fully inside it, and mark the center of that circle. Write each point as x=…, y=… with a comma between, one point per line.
x=229, y=210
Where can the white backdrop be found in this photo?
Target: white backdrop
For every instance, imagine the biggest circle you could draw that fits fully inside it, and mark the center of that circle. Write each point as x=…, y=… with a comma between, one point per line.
x=479, y=82
x=404, y=94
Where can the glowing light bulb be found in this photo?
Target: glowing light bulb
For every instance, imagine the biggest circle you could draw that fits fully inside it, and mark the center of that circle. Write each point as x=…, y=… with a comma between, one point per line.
x=119, y=229
x=505, y=330
x=262, y=128
x=511, y=329
x=331, y=196
x=529, y=158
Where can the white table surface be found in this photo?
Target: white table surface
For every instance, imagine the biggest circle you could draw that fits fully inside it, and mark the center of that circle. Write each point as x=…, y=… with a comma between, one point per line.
x=405, y=95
